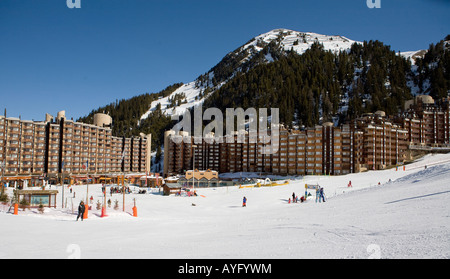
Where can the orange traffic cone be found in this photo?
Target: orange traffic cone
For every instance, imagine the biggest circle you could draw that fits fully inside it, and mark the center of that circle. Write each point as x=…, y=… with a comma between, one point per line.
x=16, y=209
x=103, y=212
x=135, y=211
x=86, y=209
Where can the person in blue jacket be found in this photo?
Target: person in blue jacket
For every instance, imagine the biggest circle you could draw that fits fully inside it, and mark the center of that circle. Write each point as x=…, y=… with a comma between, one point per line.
x=322, y=195
x=244, y=202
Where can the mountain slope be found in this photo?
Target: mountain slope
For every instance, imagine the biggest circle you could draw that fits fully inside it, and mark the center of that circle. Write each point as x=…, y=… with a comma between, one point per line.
x=338, y=79
x=263, y=49
x=322, y=85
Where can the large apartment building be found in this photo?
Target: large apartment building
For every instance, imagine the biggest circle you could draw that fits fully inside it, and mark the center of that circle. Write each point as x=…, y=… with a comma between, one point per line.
x=384, y=143
x=23, y=146
x=427, y=122
x=30, y=150
x=371, y=142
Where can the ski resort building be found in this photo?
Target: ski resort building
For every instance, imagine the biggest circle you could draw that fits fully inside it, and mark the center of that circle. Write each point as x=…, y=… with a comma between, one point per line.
x=384, y=143
x=427, y=122
x=371, y=142
x=31, y=150
x=323, y=149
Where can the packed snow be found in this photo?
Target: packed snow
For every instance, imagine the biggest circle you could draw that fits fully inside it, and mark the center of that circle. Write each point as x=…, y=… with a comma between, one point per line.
x=385, y=214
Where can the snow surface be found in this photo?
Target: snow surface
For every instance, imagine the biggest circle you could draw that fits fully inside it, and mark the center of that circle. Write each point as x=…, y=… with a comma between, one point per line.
x=191, y=92
x=302, y=41
x=408, y=217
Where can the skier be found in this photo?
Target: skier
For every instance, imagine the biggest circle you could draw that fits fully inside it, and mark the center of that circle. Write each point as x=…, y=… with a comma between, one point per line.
x=81, y=209
x=318, y=194
x=293, y=198
x=244, y=202
x=350, y=184
x=322, y=195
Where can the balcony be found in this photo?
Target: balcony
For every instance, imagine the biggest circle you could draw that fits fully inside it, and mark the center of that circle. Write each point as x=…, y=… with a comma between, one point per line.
x=13, y=145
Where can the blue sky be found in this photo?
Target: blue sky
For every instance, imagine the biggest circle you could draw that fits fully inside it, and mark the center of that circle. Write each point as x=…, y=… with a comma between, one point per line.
x=54, y=58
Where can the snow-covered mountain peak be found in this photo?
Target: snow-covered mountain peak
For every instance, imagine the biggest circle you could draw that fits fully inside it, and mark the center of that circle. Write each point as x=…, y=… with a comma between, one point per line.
x=301, y=41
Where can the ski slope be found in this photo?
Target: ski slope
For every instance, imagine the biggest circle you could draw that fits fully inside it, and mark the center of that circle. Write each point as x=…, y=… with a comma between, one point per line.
x=406, y=217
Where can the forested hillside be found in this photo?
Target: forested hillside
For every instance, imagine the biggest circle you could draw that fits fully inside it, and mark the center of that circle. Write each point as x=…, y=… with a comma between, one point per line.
x=433, y=70
x=126, y=115
x=319, y=85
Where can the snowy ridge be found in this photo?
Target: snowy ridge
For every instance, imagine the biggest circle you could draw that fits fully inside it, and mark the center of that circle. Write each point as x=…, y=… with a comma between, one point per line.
x=301, y=41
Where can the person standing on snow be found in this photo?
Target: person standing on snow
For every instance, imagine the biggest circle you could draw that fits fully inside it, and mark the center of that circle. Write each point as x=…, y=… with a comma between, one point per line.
x=81, y=209
x=244, y=202
x=322, y=195
x=318, y=194
x=293, y=198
